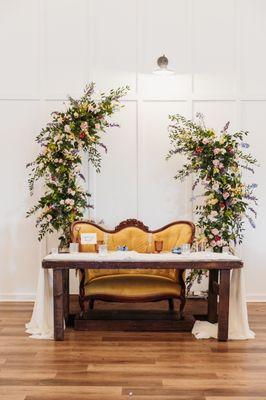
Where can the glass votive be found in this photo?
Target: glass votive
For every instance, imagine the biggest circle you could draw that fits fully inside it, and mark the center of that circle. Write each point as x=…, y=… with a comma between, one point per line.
x=102, y=249
x=225, y=250
x=54, y=250
x=73, y=248
x=185, y=248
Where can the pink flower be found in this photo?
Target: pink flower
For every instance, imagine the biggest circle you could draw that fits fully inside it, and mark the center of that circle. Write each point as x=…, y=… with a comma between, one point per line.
x=215, y=231
x=216, y=151
x=205, y=141
x=97, y=126
x=226, y=195
x=70, y=202
x=84, y=125
x=216, y=162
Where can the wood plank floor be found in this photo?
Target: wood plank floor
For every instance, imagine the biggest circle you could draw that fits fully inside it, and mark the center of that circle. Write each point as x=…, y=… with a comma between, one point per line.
x=117, y=365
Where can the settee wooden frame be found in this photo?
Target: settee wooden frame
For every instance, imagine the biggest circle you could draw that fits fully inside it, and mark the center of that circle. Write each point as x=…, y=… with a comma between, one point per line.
x=116, y=298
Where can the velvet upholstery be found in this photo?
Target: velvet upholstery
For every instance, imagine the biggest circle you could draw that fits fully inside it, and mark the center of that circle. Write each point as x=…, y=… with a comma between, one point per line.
x=130, y=284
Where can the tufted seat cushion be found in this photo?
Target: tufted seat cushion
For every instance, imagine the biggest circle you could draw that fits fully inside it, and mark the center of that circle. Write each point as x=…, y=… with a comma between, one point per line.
x=128, y=286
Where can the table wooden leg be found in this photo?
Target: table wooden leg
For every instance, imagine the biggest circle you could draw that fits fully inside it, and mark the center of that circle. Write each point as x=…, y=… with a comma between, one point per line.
x=212, y=296
x=66, y=292
x=223, y=313
x=58, y=288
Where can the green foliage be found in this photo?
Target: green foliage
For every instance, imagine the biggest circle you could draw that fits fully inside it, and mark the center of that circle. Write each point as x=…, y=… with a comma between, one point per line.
x=58, y=164
x=216, y=161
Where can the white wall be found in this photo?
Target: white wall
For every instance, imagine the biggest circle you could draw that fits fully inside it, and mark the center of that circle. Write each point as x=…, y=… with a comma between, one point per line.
x=50, y=48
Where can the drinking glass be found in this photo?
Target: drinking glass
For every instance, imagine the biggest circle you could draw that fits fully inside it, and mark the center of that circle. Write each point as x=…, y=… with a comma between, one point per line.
x=158, y=244
x=102, y=249
x=185, y=248
x=73, y=248
x=149, y=237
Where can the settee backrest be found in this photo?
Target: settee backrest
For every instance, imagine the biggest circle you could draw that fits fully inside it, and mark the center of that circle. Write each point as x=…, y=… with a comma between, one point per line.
x=136, y=236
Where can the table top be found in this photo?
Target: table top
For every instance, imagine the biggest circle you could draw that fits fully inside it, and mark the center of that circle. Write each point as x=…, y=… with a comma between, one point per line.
x=132, y=259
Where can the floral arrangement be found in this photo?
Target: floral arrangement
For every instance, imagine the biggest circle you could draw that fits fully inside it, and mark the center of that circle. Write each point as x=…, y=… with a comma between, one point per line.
x=217, y=161
x=62, y=141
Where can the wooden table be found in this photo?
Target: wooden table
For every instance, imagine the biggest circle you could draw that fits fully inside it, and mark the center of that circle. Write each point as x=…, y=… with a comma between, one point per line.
x=219, y=266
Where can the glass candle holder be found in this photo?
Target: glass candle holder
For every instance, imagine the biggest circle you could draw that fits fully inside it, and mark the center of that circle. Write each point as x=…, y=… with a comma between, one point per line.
x=158, y=245
x=185, y=248
x=73, y=248
x=102, y=249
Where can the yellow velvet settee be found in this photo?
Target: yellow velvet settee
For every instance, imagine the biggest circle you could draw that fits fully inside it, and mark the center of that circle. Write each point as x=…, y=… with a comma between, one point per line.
x=132, y=285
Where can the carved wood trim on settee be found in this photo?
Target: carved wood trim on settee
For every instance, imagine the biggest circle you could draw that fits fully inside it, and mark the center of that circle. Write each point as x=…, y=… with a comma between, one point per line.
x=132, y=222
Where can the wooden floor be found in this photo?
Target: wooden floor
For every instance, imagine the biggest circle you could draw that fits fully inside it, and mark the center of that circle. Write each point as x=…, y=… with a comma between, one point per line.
x=114, y=364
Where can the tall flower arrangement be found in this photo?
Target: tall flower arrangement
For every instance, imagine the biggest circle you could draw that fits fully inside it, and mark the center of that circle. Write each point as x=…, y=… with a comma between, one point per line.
x=216, y=160
x=58, y=163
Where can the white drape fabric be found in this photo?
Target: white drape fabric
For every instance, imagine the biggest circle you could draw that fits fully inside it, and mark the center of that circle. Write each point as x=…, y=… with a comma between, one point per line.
x=41, y=325
x=238, y=315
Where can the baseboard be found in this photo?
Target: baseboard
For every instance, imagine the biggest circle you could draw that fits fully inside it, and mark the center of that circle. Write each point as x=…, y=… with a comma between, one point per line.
x=17, y=297
x=256, y=298
x=251, y=298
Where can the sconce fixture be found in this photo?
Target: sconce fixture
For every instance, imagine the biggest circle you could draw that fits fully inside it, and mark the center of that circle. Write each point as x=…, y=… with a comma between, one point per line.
x=162, y=68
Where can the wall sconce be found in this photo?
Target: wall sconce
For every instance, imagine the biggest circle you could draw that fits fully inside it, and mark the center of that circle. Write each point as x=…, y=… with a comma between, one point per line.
x=163, y=69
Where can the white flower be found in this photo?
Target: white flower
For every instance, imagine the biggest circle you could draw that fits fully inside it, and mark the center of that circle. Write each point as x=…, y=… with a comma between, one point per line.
x=60, y=120
x=44, y=149
x=213, y=214
x=62, y=202
x=215, y=231
x=205, y=141
x=216, y=162
x=216, y=186
x=67, y=129
x=216, y=150
x=49, y=217
x=76, y=114
x=70, y=191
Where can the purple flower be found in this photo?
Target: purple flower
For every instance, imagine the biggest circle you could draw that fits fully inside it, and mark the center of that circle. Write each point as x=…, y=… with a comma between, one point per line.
x=245, y=145
x=252, y=223
x=226, y=127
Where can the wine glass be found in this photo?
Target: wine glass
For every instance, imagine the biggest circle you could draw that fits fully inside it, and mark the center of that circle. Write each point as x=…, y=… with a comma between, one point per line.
x=158, y=244
x=99, y=243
